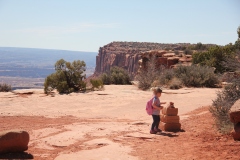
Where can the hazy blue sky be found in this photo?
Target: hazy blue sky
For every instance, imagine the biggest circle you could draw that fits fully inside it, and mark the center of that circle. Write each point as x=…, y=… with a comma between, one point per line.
x=85, y=25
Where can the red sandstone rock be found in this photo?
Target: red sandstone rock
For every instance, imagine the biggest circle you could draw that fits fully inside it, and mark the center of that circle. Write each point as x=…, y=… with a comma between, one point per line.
x=172, y=61
x=236, y=132
x=170, y=126
x=170, y=111
x=235, y=112
x=235, y=117
x=169, y=119
x=127, y=55
x=13, y=141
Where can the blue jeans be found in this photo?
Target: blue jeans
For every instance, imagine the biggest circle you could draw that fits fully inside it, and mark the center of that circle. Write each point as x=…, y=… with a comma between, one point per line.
x=156, y=121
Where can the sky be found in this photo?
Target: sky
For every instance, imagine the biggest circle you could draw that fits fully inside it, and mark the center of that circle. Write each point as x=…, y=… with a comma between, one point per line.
x=86, y=25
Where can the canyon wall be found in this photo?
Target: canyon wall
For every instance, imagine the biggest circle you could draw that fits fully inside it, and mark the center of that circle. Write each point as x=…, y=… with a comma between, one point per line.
x=128, y=54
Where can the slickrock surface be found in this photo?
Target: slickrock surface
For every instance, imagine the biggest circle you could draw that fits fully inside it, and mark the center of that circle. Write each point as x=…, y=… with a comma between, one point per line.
x=113, y=124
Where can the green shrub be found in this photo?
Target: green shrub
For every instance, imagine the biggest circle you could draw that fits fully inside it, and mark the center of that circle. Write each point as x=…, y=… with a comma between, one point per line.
x=188, y=52
x=197, y=76
x=215, y=57
x=67, y=78
x=106, y=78
x=116, y=75
x=189, y=76
x=96, y=83
x=5, y=87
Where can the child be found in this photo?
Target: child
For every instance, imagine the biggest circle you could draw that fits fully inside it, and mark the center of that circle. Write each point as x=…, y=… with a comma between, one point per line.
x=156, y=110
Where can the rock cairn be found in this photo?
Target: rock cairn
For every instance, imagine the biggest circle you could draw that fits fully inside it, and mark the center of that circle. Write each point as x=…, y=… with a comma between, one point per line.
x=235, y=119
x=170, y=121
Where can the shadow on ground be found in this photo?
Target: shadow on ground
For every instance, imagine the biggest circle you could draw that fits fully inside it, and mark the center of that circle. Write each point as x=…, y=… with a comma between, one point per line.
x=18, y=155
x=168, y=134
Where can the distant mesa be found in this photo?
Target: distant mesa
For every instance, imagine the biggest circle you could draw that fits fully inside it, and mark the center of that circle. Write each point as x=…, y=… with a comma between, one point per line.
x=131, y=55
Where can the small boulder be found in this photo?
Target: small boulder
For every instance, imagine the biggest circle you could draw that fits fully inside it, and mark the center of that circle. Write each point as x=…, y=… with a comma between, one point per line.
x=236, y=132
x=235, y=112
x=13, y=141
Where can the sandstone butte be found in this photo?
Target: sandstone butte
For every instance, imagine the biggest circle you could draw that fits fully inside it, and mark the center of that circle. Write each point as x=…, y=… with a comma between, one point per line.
x=131, y=55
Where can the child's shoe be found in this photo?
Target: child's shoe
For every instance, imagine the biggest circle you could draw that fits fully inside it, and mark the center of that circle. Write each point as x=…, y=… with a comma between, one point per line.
x=153, y=132
x=157, y=130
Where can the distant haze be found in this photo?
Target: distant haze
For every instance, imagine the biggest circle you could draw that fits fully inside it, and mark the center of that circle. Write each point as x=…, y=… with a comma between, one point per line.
x=38, y=63
x=19, y=64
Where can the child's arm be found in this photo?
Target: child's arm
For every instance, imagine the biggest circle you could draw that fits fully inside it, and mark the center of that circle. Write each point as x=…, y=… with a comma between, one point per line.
x=156, y=107
x=163, y=102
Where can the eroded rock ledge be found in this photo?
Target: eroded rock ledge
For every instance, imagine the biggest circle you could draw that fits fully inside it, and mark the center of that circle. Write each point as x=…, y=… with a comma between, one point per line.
x=128, y=54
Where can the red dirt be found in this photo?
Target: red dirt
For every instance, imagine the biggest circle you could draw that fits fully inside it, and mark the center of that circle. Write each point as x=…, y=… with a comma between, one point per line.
x=199, y=141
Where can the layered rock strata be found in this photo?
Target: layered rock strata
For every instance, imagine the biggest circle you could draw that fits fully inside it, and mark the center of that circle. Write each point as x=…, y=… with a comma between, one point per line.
x=130, y=55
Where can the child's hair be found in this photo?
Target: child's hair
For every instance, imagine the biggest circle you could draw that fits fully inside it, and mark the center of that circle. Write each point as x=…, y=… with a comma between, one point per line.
x=157, y=90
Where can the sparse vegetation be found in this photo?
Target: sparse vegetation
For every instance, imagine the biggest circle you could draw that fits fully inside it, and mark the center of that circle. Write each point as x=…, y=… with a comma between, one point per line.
x=189, y=76
x=148, y=74
x=231, y=93
x=117, y=76
x=175, y=83
x=188, y=52
x=5, y=87
x=197, y=76
x=166, y=76
x=96, y=83
x=223, y=103
x=215, y=57
x=67, y=78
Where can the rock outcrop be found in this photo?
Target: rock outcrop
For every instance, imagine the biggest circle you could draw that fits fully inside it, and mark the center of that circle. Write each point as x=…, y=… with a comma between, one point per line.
x=168, y=59
x=13, y=141
x=128, y=54
x=235, y=118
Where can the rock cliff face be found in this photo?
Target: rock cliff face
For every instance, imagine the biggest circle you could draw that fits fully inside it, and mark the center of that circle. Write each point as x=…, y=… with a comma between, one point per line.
x=108, y=58
x=128, y=54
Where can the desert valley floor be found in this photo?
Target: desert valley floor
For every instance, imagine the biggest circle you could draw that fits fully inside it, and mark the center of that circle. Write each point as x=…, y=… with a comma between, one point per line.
x=113, y=125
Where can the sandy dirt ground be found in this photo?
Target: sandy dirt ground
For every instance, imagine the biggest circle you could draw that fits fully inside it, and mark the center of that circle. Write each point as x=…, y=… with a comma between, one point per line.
x=113, y=125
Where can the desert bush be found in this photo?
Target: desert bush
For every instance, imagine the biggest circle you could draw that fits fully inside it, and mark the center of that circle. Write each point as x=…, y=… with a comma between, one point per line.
x=188, y=52
x=116, y=75
x=223, y=103
x=215, y=57
x=106, y=78
x=96, y=83
x=166, y=76
x=67, y=78
x=197, y=76
x=5, y=87
x=190, y=76
x=175, y=83
x=148, y=74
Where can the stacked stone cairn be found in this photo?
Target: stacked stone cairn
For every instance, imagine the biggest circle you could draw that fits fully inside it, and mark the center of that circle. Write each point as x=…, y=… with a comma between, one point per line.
x=170, y=121
x=235, y=119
